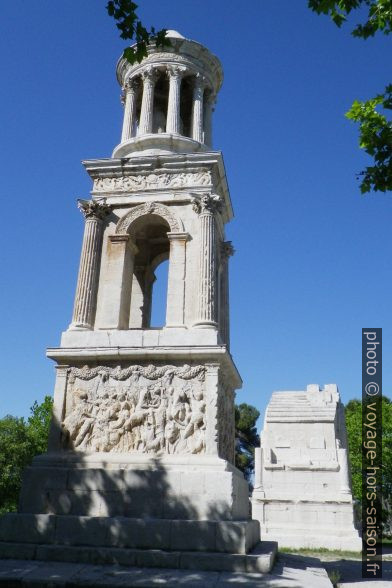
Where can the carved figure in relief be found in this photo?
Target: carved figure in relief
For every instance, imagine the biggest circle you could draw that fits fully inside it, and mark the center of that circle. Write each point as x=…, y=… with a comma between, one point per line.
x=158, y=180
x=78, y=420
x=144, y=409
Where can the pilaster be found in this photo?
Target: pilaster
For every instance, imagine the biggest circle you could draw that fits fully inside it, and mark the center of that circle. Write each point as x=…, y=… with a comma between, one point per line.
x=227, y=251
x=176, y=280
x=117, y=286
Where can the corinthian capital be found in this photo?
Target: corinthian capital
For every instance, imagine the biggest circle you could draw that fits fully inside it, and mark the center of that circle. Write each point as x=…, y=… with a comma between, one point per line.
x=207, y=203
x=211, y=100
x=94, y=209
x=131, y=85
x=150, y=75
x=227, y=250
x=176, y=71
x=200, y=81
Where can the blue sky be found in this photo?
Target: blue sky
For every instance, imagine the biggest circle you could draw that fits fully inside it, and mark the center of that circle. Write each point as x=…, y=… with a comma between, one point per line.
x=312, y=263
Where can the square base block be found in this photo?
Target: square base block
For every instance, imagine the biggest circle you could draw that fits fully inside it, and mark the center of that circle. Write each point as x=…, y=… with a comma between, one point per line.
x=308, y=524
x=97, y=485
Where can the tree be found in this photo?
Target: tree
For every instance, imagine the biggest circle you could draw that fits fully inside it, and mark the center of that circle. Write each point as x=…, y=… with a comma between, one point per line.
x=353, y=413
x=38, y=424
x=246, y=437
x=20, y=441
x=132, y=29
x=375, y=129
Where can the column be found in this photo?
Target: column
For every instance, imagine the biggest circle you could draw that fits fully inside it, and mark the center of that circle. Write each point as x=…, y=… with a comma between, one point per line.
x=207, y=207
x=173, y=121
x=197, y=109
x=117, y=283
x=209, y=109
x=227, y=251
x=130, y=90
x=147, y=112
x=176, y=280
x=87, y=286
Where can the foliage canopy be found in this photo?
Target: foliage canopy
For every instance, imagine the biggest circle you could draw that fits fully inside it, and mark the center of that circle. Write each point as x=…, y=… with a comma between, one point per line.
x=246, y=437
x=354, y=432
x=375, y=129
x=20, y=441
x=132, y=29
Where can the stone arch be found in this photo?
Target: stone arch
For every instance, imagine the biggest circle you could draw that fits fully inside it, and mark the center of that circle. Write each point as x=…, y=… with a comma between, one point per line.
x=124, y=225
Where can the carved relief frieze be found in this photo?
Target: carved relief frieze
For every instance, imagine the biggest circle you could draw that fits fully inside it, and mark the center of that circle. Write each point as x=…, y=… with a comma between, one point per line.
x=153, y=181
x=145, y=409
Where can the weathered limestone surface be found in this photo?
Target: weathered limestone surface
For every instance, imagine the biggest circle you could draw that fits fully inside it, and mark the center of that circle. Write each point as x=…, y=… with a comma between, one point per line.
x=141, y=447
x=302, y=495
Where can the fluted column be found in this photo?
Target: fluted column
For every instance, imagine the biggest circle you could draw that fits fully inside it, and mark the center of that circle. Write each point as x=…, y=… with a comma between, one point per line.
x=209, y=109
x=207, y=207
x=87, y=286
x=227, y=251
x=173, y=121
x=197, y=109
x=130, y=91
x=147, y=112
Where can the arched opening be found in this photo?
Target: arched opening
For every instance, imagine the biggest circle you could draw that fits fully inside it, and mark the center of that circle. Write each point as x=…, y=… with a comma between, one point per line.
x=159, y=295
x=139, y=97
x=161, y=94
x=150, y=236
x=186, y=105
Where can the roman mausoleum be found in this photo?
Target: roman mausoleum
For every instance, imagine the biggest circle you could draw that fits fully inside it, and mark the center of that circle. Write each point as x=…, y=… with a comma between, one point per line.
x=140, y=464
x=302, y=492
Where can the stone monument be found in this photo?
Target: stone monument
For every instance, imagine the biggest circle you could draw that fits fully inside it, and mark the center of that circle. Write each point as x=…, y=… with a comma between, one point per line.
x=302, y=494
x=140, y=465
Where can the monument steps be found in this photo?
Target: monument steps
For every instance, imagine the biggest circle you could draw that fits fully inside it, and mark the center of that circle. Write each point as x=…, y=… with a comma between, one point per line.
x=122, y=532
x=259, y=560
